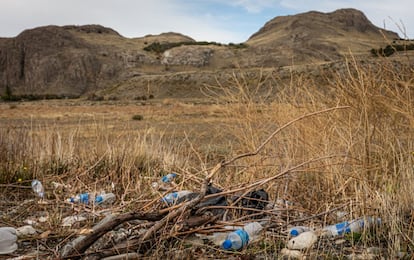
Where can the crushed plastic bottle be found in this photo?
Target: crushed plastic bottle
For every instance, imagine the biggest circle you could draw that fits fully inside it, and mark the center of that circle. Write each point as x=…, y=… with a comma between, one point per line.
x=296, y=230
x=302, y=241
x=353, y=226
x=239, y=239
x=172, y=197
x=169, y=177
x=8, y=238
x=100, y=199
x=105, y=198
x=38, y=188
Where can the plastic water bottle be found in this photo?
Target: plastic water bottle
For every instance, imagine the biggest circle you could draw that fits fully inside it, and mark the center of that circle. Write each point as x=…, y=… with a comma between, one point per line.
x=38, y=188
x=295, y=231
x=168, y=178
x=353, y=226
x=80, y=198
x=86, y=198
x=105, y=198
x=8, y=238
x=172, y=197
x=240, y=238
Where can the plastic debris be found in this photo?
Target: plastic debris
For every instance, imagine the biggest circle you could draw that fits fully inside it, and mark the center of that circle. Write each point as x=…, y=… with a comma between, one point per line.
x=240, y=238
x=291, y=254
x=25, y=231
x=303, y=241
x=100, y=199
x=70, y=220
x=38, y=188
x=169, y=177
x=8, y=238
x=173, y=197
x=296, y=230
x=353, y=226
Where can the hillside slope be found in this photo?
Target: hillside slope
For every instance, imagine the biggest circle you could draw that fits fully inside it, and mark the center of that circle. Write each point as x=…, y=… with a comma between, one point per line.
x=72, y=61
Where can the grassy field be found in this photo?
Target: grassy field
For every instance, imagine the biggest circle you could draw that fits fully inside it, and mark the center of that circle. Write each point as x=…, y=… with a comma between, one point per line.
x=347, y=148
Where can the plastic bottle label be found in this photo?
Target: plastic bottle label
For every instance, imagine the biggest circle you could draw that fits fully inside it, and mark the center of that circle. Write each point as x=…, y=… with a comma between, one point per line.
x=243, y=236
x=343, y=228
x=84, y=198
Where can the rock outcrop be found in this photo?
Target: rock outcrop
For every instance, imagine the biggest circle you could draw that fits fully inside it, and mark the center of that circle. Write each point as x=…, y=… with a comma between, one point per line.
x=72, y=61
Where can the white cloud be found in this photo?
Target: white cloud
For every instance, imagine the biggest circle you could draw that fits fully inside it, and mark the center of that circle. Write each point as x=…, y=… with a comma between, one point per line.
x=129, y=18
x=255, y=6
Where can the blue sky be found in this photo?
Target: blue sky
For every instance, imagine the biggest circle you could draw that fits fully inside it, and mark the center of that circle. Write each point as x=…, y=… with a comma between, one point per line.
x=222, y=21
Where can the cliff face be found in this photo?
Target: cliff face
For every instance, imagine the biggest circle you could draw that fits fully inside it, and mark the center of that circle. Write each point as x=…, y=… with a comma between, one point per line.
x=77, y=60
x=51, y=60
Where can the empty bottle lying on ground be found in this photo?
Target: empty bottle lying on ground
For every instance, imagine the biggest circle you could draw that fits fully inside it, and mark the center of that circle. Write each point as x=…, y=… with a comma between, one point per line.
x=174, y=197
x=353, y=226
x=99, y=199
x=296, y=230
x=240, y=238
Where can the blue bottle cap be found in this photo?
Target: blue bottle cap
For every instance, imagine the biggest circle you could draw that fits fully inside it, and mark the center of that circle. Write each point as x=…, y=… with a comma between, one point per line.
x=98, y=199
x=227, y=244
x=294, y=233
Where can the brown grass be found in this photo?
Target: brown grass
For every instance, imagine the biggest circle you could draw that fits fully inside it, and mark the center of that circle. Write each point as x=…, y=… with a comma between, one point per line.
x=359, y=159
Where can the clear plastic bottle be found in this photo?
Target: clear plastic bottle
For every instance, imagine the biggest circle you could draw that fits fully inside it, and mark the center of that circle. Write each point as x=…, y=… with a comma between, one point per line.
x=80, y=198
x=172, y=197
x=86, y=198
x=38, y=188
x=296, y=230
x=352, y=226
x=240, y=238
x=105, y=198
x=168, y=178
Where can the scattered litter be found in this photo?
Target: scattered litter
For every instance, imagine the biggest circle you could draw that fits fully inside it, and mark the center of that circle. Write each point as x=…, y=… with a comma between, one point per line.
x=291, y=254
x=100, y=199
x=25, y=231
x=296, y=230
x=239, y=239
x=70, y=220
x=38, y=188
x=8, y=238
x=174, y=197
x=169, y=177
x=304, y=240
x=353, y=226
x=57, y=185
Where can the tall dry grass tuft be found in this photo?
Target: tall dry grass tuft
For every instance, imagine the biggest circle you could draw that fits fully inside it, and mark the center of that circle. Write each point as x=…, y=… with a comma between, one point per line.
x=91, y=157
x=368, y=147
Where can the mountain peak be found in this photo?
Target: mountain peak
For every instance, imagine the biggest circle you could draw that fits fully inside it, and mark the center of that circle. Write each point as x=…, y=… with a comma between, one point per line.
x=321, y=24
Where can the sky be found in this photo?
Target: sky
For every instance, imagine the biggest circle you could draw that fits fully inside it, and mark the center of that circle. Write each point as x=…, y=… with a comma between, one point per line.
x=224, y=21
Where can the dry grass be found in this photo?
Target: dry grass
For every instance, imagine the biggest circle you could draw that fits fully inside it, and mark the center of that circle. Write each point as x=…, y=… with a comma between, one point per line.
x=359, y=158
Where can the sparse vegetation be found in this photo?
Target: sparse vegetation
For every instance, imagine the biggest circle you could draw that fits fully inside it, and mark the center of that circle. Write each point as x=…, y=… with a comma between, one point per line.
x=347, y=148
x=158, y=47
x=391, y=49
x=138, y=117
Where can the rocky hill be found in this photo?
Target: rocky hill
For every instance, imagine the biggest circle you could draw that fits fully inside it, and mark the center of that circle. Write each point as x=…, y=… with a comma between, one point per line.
x=74, y=61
